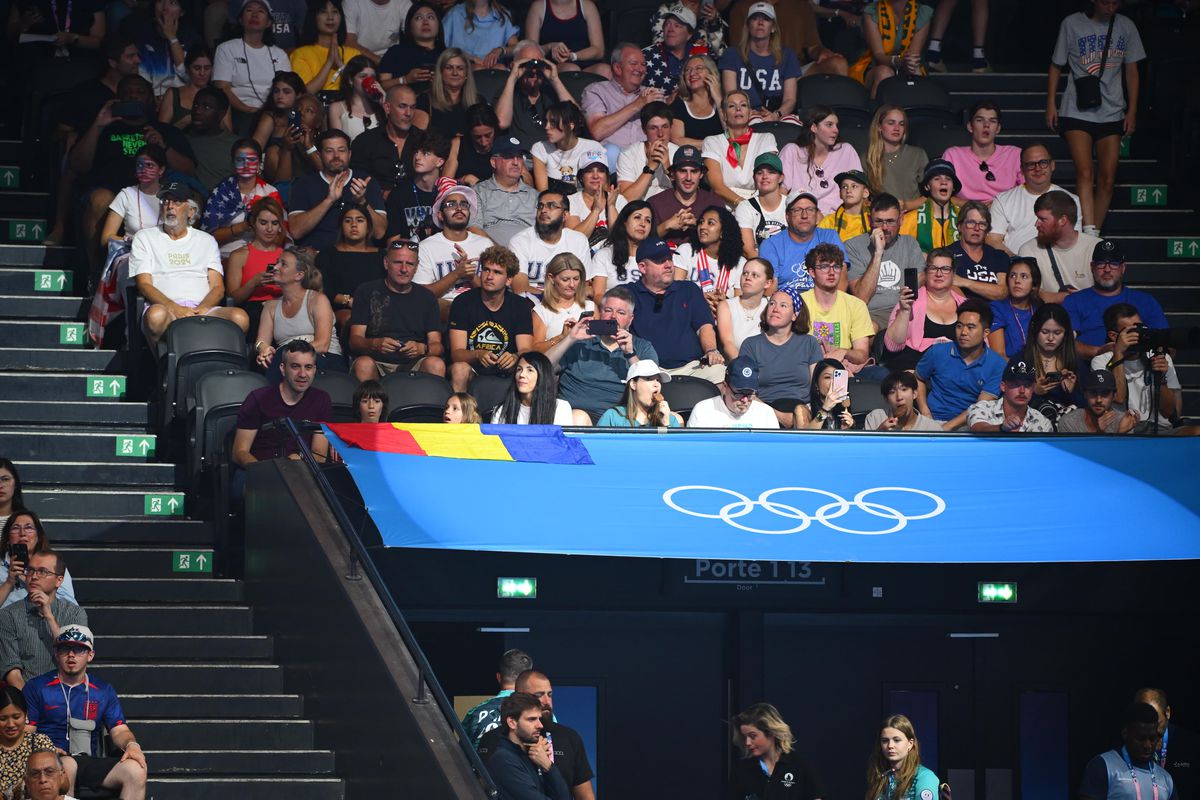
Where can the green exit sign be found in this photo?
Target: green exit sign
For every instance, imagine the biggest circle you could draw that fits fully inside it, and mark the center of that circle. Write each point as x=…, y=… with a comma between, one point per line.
x=71, y=333
x=110, y=386
x=516, y=588
x=162, y=505
x=997, y=592
x=52, y=280
x=1183, y=248
x=136, y=446
x=1148, y=195
x=192, y=561
x=27, y=230
x=10, y=177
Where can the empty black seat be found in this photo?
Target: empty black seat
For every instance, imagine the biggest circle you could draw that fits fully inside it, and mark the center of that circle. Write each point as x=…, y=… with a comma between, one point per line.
x=489, y=83
x=488, y=391
x=194, y=347
x=934, y=138
x=923, y=99
x=784, y=132
x=416, y=396
x=576, y=82
x=215, y=401
x=683, y=392
x=836, y=91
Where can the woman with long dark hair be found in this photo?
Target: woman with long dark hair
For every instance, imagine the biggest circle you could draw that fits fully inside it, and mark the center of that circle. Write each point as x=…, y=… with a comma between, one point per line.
x=17, y=740
x=894, y=770
x=1050, y=347
x=643, y=405
x=273, y=119
x=532, y=397
x=821, y=412
x=249, y=272
x=245, y=67
x=712, y=257
x=10, y=490
x=811, y=163
x=616, y=263
x=137, y=207
x=323, y=54
x=288, y=159
x=412, y=59
x=359, y=96
x=567, y=140
x=351, y=262
x=25, y=527
x=1011, y=316
x=225, y=211
x=175, y=108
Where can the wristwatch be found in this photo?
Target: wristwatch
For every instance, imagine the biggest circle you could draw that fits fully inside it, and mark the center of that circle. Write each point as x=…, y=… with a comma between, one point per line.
x=647, y=171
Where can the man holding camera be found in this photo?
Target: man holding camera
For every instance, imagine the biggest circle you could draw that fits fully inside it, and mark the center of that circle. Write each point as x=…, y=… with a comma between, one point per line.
x=1087, y=307
x=1132, y=354
x=522, y=104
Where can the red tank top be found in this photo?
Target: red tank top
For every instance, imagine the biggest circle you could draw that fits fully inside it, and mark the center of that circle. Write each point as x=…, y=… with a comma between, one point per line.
x=256, y=262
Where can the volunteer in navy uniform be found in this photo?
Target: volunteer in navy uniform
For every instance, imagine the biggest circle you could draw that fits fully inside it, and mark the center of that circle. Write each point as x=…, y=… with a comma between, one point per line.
x=771, y=767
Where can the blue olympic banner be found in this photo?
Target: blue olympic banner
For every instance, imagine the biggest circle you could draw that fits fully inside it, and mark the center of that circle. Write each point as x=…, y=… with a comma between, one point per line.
x=890, y=498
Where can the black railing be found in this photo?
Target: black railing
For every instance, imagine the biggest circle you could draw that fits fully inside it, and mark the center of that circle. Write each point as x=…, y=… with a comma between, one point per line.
x=361, y=566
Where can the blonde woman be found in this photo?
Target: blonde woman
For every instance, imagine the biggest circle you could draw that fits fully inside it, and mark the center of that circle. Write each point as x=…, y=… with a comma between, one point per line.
x=893, y=166
x=451, y=92
x=564, y=301
x=729, y=156
x=762, y=67
x=302, y=311
x=770, y=758
x=894, y=771
x=697, y=107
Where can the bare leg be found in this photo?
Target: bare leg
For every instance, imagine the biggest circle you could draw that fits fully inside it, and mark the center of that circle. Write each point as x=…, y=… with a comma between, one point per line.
x=1080, y=144
x=433, y=366
x=364, y=369
x=235, y=315
x=62, y=206
x=876, y=76
x=1108, y=152
x=155, y=322
x=97, y=209
x=831, y=66
x=979, y=22
x=460, y=376
x=580, y=418
x=129, y=778
x=600, y=69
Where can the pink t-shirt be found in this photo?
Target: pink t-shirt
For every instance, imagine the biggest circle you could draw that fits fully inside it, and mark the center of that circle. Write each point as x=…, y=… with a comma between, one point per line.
x=796, y=173
x=1005, y=165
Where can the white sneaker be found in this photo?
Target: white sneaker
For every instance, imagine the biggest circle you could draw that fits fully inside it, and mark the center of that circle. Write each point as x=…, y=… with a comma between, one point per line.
x=1091, y=230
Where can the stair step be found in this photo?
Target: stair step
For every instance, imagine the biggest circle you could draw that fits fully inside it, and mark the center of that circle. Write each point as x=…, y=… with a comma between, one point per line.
x=171, y=620
x=1145, y=273
x=36, y=255
x=994, y=81
x=61, y=359
x=1152, y=247
x=61, y=386
x=163, y=590
x=128, y=562
x=18, y=203
x=273, y=788
x=180, y=648
x=37, y=281
x=1176, y=298
x=42, y=333
x=187, y=533
x=17, y=444
x=94, y=473
x=94, y=412
x=43, y=307
x=1189, y=374
x=1147, y=220
x=240, y=762
x=230, y=734
x=105, y=503
x=217, y=706
x=214, y=677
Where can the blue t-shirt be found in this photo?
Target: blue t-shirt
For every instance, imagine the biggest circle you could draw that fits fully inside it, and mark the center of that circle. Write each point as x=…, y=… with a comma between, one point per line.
x=1015, y=324
x=617, y=418
x=762, y=73
x=48, y=697
x=309, y=191
x=670, y=322
x=485, y=35
x=1086, y=309
x=1109, y=776
x=787, y=255
x=955, y=385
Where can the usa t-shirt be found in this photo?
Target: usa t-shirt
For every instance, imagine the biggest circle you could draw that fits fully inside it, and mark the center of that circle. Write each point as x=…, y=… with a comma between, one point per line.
x=761, y=73
x=533, y=254
x=436, y=259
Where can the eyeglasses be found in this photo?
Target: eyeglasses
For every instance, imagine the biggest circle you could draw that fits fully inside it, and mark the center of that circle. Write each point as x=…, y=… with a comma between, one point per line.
x=1041, y=163
x=988, y=174
x=743, y=394
x=940, y=269
x=973, y=223
x=548, y=206
x=6, y=478
x=403, y=243
x=39, y=572
x=886, y=223
x=820, y=173
x=48, y=772
x=75, y=649
x=803, y=211
x=1106, y=264
x=453, y=204
x=826, y=267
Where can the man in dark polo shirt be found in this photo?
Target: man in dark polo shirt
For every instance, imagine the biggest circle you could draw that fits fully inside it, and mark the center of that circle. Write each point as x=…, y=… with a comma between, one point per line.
x=384, y=152
x=674, y=316
x=678, y=209
x=295, y=398
x=570, y=757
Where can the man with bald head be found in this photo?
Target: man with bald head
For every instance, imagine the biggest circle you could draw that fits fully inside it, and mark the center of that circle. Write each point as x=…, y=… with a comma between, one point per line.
x=569, y=755
x=1013, y=216
x=384, y=152
x=1179, y=750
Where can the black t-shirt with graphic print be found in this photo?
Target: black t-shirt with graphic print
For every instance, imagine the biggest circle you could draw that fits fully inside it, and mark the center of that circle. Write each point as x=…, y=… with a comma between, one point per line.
x=496, y=331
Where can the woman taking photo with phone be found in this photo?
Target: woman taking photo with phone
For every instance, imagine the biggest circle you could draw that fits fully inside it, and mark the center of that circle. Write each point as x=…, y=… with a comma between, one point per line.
x=564, y=301
x=643, y=405
x=922, y=320
x=894, y=770
x=24, y=536
x=828, y=390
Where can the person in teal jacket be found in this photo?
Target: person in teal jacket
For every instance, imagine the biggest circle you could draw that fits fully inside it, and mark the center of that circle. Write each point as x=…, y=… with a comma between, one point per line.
x=894, y=770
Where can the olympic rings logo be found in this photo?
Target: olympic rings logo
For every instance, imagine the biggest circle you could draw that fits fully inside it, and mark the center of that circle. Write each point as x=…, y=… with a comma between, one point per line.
x=742, y=505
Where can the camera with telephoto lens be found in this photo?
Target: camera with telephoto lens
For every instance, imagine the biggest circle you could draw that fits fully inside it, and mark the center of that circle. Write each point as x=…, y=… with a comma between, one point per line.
x=1150, y=340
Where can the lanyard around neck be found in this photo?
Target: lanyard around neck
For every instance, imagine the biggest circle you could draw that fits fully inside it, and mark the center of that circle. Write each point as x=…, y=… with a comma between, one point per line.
x=1137, y=789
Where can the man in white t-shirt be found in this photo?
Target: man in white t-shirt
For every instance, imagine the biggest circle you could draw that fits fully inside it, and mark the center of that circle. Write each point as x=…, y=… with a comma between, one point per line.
x=548, y=237
x=373, y=26
x=736, y=406
x=178, y=268
x=642, y=167
x=1063, y=254
x=448, y=262
x=1012, y=211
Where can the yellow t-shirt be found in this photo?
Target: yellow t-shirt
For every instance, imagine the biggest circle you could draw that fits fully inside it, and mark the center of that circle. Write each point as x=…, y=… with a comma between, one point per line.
x=308, y=60
x=838, y=327
x=847, y=226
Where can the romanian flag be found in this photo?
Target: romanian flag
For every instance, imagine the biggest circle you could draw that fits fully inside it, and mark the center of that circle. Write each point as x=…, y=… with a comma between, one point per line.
x=537, y=444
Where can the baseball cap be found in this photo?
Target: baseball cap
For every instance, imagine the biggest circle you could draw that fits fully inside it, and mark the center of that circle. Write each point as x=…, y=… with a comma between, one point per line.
x=647, y=368
x=76, y=634
x=589, y=158
x=796, y=194
x=507, y=147
x=742, y=374
x=768, y=160
x=656, y=250
x=1019, y=369
x=1099, y=380
x=688, y=156
x=856, y=175
x=766, y=9
x=939, y=166
x=682, y=13
x=1107, y=250
x=176, y=190
x=264, y=3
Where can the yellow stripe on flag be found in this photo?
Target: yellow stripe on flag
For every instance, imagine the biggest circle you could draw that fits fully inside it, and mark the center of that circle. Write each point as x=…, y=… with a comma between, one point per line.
x=457, y=441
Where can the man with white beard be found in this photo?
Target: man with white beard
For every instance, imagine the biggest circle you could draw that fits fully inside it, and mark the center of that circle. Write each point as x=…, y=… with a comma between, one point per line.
x=178, y=268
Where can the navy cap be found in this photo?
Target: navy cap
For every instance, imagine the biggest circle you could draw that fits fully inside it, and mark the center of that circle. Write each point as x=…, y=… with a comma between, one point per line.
x=507, y=147
x=1099, y=380
x=742, y=374
x=1107, y=250
x=1019, y=369
x=175, y=190
x=687, y=156
x=656, y=250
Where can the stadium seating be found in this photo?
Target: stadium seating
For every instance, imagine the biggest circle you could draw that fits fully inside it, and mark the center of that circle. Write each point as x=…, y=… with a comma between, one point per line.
x=416, y=396
x=683, y=392
x=340, y=386
x=196, y=346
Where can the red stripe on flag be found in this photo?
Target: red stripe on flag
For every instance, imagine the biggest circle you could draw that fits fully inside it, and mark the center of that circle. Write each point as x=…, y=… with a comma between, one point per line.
x=377, y=438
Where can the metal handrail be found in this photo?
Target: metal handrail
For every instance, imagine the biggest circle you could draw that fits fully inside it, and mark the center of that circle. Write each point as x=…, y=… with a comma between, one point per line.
x=360, y=559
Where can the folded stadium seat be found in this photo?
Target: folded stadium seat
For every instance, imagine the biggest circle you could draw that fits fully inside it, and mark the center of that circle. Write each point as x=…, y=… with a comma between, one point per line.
x=193, y=347
x=576, y=82
x=836, y=91
x=934, y=138
x=488, y=391
x=489, y=83
x=683, y=392
x=416, y=396
x=216, y=398
x=340, y=387
x=784, y=132
x=864, y=398
x=925, y=99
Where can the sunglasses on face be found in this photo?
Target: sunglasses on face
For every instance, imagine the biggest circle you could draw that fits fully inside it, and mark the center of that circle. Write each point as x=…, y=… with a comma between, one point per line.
x=401, y=244
x=743, y=394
